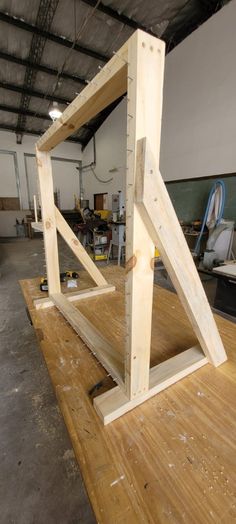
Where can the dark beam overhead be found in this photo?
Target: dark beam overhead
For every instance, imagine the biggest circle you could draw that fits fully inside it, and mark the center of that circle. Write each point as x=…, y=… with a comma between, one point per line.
x=18, y=22
x=39, y=67
x=33, y=114
x=25, y=112
x=207, y=8
x=117, y=16
x=7, y=127
x=45, y=15
x=33, y=92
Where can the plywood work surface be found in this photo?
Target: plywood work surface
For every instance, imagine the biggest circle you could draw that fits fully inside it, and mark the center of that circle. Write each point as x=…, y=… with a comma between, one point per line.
x=229, y=270
x=172, y=459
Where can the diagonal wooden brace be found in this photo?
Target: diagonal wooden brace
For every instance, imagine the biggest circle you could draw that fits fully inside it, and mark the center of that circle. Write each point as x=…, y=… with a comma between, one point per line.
x=159, y=216
x=78, y=250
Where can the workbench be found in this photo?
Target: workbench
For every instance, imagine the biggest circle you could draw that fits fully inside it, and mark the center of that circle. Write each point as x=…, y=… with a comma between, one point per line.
x=170, y=460
x=225, y=297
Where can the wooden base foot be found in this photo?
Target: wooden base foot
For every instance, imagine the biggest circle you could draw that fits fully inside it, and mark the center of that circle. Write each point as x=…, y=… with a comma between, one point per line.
x=42, y=303
x=114, y=403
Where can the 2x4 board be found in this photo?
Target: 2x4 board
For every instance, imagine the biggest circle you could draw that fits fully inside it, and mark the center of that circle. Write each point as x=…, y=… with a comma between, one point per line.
x=138, y=69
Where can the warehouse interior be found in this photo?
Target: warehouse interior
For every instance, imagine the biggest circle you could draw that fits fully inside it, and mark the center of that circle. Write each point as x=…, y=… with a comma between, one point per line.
x=70, y=452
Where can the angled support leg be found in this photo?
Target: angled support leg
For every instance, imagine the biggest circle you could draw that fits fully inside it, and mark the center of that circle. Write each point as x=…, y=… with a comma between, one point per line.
x=158, y=214
x=78, y=250
x=83, y=257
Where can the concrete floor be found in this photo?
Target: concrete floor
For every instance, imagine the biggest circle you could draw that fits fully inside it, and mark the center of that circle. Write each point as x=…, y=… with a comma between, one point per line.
x=40, y=481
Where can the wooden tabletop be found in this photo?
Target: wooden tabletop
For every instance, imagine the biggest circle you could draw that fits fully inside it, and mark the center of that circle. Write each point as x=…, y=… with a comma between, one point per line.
x=228, y=270
x=172, y=459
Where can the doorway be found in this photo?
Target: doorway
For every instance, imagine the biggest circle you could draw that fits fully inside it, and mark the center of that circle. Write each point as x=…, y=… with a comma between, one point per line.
x=100, y=201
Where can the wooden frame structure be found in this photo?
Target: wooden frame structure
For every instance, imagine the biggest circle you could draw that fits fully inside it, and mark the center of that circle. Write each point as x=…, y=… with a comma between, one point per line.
x=137, y=69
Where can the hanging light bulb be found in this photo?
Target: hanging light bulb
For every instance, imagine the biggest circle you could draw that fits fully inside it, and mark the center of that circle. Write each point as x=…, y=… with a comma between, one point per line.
x=54, y=111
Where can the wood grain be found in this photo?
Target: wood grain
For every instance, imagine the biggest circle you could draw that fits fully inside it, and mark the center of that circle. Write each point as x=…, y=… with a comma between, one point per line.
x=76, y=247
x=114, y=404
x=108, y=85
x=96, y=342
x=160, y=218
x=74, y=296
x=146, y=56
x=48, y=220
x=170, y=460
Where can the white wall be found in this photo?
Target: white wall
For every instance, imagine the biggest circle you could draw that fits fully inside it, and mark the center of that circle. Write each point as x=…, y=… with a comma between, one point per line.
x=9, y=186
x=199, y=110
x=111, y=153
x=65, y=175
x=199, y=117
x=65, y=179
x=8, y=143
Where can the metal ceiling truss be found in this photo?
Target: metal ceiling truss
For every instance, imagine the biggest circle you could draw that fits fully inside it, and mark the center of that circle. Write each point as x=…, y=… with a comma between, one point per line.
x=22, y=111
x=18, y=22
x=32, y=92
x=46, y=11
x=41, y=33
x=39, y=67
x=41, y=116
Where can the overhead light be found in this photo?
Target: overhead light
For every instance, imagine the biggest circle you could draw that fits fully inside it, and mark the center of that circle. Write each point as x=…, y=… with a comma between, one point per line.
x=54, y=111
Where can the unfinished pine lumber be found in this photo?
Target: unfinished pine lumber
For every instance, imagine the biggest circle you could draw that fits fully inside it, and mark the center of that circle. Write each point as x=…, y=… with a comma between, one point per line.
x=138, y=69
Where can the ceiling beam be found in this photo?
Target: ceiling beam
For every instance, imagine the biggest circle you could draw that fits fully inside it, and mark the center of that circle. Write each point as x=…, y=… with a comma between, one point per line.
x=21, y=24
x=34, y=114
x=39, y=67
x=33, y=92
x=175, y=36
x=6, y=127
x=25, y=112
x=45, y=15
x=123, y=19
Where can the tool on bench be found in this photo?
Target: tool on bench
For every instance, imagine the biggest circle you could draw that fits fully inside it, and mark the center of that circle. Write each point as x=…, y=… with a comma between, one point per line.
x=63, y=278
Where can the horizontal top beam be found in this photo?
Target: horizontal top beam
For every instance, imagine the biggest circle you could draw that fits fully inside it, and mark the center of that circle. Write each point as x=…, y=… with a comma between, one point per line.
x=108, y=85
x=39, y=67
x=33, y=92
x=21, y=24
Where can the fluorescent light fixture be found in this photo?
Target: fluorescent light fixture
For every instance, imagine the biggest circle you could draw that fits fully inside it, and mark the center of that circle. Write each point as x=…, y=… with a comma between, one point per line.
x=54, y=111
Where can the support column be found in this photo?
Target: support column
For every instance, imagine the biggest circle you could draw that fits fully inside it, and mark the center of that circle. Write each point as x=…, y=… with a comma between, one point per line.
x=146, y=56
x=49, y=221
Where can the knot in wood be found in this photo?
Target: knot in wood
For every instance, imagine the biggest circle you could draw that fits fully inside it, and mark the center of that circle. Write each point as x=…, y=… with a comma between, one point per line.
x=130, y=264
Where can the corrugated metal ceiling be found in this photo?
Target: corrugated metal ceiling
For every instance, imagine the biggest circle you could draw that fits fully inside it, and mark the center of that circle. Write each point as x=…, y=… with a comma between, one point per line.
x=99, y=27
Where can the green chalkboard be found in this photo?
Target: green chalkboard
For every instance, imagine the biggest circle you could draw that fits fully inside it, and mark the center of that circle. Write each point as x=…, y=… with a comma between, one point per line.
x=190, y=197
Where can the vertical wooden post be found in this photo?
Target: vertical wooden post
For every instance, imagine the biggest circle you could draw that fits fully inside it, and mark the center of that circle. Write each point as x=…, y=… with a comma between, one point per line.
x=35, y=209
x=49, y=221
x=145, y=84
